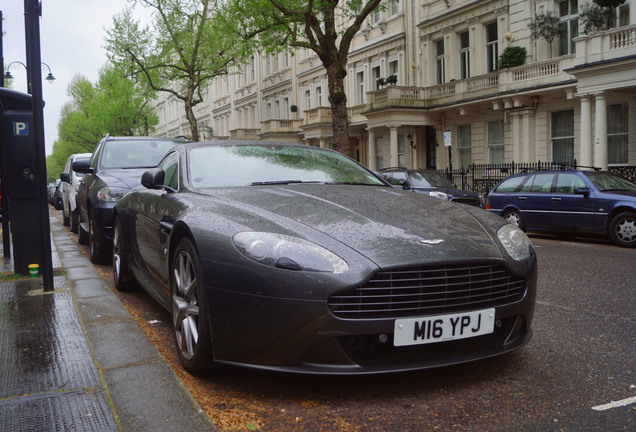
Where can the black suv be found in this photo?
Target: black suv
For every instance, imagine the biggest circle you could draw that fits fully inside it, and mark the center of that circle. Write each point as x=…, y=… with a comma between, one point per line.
x=114, y=168
x=431, y=183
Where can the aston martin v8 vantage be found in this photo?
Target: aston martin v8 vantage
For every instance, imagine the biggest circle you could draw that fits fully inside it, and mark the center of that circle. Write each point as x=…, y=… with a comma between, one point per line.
x=296, y=258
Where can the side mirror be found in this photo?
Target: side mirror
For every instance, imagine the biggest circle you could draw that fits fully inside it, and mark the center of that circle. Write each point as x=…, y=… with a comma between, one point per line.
x=82, y=166
x=65, y=177
x=582, y=191
x=153, y=179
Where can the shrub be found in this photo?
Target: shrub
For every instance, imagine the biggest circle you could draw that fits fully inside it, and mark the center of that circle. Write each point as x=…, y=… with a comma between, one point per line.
x=511, y=57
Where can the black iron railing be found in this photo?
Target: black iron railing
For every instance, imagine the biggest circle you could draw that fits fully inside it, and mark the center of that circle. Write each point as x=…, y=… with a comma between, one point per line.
x=481, y=178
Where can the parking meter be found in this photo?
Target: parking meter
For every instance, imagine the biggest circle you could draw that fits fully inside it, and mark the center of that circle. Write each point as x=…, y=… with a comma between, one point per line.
x=17, y=140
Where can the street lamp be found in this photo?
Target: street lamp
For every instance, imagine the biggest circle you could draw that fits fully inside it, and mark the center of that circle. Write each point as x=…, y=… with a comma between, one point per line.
x=7, y=76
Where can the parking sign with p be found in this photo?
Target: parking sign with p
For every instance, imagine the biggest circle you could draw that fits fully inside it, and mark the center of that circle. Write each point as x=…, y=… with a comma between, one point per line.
x=20, y=128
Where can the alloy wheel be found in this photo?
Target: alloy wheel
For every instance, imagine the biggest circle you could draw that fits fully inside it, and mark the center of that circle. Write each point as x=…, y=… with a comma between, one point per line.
x=185, y=305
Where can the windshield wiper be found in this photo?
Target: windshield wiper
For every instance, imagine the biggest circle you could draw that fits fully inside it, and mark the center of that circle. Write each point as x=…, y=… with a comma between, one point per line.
x=275, y=182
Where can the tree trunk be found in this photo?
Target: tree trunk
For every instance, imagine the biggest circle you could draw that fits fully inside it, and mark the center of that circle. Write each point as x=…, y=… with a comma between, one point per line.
x=194, y=128
x=339, y=116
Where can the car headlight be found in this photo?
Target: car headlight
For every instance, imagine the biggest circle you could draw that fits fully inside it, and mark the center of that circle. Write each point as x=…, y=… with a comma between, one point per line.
x=515, y=241
x=292, y=253
x=111, y=193
x=438, y=194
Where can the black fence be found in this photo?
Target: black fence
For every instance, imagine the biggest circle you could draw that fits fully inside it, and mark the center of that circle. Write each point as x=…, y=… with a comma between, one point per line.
x=483, y=177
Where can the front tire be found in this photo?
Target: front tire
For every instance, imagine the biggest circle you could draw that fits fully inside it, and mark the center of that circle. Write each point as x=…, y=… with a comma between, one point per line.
x=98, y=253
x=623, y=229
x=514, y=217
x=189, y=309
x=122, y=276
x=66, y=220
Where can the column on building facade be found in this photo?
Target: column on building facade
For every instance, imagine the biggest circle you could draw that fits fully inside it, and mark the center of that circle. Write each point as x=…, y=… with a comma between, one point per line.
x=394, y=156
x=586, y=156
x=528, y=128
x=516, y=136
x=600, y=128
x=323, y=143
x=372, y=151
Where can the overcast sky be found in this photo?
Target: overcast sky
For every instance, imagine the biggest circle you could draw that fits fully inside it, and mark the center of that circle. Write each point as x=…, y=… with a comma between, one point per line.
x=72, y=34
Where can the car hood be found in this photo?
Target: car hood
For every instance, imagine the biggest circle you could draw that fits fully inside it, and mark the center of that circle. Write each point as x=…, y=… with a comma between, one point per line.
x=123, y=178
x=388, y=226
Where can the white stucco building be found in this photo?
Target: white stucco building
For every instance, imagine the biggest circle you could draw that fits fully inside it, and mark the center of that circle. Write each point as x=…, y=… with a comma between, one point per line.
x=575, y=99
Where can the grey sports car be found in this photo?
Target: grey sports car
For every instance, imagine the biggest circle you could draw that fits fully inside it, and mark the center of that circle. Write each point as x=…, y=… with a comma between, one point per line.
x=296, y=258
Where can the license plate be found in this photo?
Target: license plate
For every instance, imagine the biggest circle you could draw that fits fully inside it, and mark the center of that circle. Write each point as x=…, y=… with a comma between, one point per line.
x=440, y=328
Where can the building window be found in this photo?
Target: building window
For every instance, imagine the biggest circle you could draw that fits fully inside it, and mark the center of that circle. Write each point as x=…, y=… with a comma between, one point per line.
x=568, y=26
x=319, y=96
x=401, y=152
x=617, y=134
x=376, y=15
x=463, y=145
x=439, y=60
x=562, y=136
x=286, y=108
x=394, y=7
x=376, y=75
x=360, y=87
x=307, y=99
x=619, y=16
x=464, y=55
x=496, y=145
x=268, y=112
x=276, y=109
x=492, y=47
x=394, y=69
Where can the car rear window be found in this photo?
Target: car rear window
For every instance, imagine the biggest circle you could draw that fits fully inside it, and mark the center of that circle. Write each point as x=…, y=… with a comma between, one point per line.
x=510, y=185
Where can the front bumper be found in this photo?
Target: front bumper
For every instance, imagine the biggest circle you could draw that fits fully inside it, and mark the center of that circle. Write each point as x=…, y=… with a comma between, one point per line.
x=300, y=335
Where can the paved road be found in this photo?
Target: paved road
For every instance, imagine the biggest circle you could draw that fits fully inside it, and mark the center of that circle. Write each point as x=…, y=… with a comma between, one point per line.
x=582, y=356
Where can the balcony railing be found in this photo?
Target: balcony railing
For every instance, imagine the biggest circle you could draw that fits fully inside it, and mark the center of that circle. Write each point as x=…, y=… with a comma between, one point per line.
x=605, y=45
x=281, y=126
x=505, y=80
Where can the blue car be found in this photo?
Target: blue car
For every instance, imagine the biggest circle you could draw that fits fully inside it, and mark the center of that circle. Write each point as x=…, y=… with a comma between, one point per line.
x=569, y=201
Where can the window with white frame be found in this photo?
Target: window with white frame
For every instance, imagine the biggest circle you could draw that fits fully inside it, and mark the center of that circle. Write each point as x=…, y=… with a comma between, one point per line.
x=568, y=26
x=496, y=144
x=617, y=134
x=401, y=151
x=319, y=96
x=286, y=59
x=394, y=69
x=285, y=107
x=440, y=62
x=307, y=99
x=268, y=111
x=464, y=55
x=562, y=135
x=376, y=74
x=463, y=145
x=492, y=47
x=394, y=7
x=619, y=16
x=276, y=113
x=268, y=65
x=376, y=15
x=360, y=88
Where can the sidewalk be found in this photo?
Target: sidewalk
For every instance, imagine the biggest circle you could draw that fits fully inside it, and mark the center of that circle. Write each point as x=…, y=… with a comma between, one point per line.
x=76, y=360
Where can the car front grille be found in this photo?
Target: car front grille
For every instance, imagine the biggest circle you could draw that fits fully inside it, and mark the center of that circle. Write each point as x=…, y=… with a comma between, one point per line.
x=429, y=290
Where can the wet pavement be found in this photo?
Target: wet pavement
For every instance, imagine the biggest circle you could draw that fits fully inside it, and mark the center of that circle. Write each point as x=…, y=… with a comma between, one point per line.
x=75, y=359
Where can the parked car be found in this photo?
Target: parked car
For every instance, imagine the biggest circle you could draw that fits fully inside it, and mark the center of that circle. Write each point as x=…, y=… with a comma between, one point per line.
x=55, y=195
x=569, y=201
x=70, y=183
x=114, y=168
x=49, y=193
x=429, y=182
x=296, y=258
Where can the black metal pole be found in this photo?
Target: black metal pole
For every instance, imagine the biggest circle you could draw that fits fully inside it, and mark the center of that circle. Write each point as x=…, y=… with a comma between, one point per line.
x=32, y=14
x=6, y=235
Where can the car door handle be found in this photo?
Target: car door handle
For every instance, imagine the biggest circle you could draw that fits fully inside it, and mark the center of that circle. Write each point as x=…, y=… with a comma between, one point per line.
x=523, y=198
x=556, y=198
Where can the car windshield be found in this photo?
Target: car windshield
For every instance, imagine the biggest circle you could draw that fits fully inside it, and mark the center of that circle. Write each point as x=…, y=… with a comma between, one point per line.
x=256, y=165
x=428, y=179
x=134, y=153
x=609, y=182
